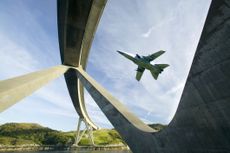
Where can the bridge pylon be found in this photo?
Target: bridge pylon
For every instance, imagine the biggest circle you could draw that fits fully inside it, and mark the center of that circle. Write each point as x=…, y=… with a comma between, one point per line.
x=87, y=130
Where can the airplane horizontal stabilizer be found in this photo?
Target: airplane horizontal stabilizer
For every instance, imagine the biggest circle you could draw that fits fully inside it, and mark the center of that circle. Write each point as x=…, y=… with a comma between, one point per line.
x=162, y=66
x=157, y=69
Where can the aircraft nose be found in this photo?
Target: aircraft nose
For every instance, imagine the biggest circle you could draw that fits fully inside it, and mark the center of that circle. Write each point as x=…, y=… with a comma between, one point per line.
x=120, y=52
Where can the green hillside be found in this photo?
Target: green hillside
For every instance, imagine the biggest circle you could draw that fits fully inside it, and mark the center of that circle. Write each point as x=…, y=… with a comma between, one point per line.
x=29, y=133
x=34, y=134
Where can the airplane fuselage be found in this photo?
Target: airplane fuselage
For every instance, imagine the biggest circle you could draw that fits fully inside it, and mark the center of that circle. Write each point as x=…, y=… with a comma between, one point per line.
x=142, y=62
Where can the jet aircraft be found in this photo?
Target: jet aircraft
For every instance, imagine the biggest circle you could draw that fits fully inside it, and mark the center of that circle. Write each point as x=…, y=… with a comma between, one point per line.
x=143, y=63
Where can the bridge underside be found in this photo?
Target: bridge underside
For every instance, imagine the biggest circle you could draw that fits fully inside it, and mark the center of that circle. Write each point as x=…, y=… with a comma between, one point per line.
x=77, y=23
x=202, y=121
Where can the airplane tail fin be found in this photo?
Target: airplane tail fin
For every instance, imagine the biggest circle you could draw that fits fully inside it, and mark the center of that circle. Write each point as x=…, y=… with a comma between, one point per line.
x=157, y=69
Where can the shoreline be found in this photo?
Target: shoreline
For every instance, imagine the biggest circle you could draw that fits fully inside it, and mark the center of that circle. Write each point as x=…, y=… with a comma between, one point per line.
x=19, y=148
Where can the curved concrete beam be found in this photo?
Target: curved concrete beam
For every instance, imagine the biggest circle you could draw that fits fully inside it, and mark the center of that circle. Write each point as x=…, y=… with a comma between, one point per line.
x=130, y=127
x=108, y=103
x=77, y=23
x=15, y=89
x=202, y=121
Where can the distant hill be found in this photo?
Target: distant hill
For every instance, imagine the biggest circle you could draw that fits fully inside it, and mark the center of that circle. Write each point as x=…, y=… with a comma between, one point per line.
x=35, y=134
x=30, y=133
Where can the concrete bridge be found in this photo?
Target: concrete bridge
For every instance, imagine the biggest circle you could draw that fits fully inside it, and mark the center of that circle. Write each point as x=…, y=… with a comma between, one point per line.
x=202, y=121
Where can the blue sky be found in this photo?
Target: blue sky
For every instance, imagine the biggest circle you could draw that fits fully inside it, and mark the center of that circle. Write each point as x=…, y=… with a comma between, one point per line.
x=29, y=42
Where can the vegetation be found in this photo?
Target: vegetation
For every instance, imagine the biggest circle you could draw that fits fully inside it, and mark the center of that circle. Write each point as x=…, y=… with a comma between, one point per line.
x=103, y=137
x=34, y=134
x=28, y=133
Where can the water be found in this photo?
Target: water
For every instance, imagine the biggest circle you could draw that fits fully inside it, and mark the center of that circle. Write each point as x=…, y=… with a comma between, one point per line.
x=115, y=151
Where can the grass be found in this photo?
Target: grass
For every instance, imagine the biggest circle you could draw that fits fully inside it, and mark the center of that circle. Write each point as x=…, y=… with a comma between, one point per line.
x=35, y=134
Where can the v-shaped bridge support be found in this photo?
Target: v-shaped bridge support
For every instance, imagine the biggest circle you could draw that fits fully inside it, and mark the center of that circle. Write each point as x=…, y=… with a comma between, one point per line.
x=88, y=131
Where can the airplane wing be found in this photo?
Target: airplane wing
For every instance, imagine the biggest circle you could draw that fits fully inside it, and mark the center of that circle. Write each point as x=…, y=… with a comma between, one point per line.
x=140, y=71
x=127, y=55
x=154, y=55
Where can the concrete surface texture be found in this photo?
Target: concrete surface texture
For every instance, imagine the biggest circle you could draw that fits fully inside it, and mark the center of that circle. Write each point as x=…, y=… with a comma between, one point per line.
x=15, y=89
x=77, y=23
x=201, y=123
x=202, y=120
